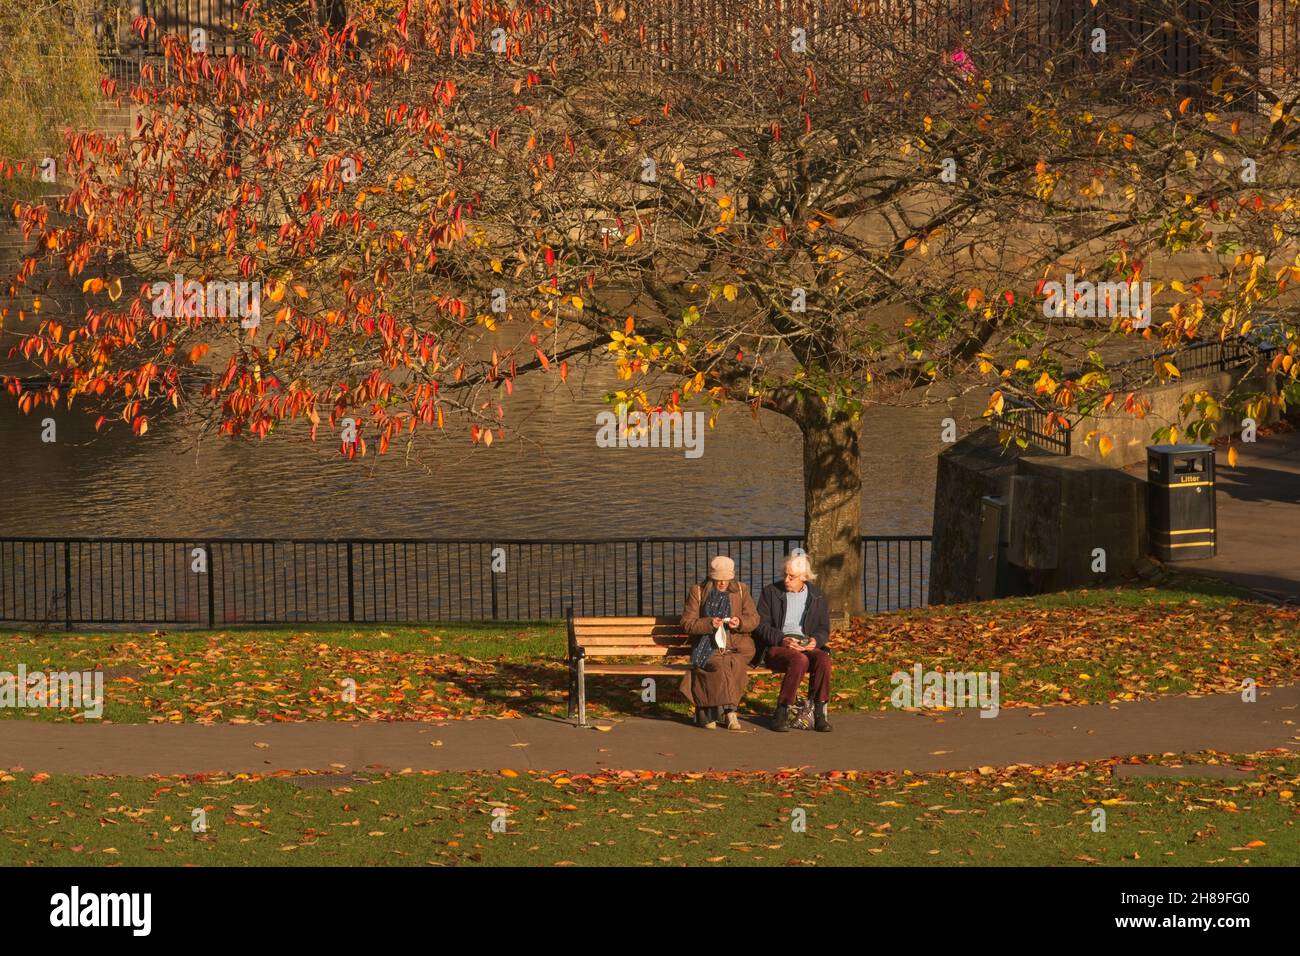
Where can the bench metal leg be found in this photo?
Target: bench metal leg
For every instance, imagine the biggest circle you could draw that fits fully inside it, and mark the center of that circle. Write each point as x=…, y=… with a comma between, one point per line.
x=573, y=689
x=582, y=693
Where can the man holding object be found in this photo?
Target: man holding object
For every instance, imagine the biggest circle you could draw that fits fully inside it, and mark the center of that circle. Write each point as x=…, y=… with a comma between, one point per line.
x=794, y=624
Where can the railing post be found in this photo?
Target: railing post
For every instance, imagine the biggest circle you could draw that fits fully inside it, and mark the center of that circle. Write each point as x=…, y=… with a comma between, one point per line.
x=640, y=588
x=212, y=573
x=492, y=575
x=67, y=585
x=351, y=607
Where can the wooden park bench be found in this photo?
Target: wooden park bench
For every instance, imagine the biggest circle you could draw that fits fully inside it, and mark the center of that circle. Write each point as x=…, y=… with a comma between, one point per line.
x=660, y=642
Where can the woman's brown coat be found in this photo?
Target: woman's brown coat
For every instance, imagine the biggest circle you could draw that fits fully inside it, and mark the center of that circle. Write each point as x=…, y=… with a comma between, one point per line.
x=721, y=682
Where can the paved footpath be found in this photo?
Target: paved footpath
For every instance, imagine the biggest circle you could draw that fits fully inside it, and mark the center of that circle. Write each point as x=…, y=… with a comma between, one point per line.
x=893, y=740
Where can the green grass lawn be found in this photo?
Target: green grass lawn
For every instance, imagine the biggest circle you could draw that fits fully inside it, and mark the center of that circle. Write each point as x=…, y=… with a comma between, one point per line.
x=1019, y=816
x=1182, y=635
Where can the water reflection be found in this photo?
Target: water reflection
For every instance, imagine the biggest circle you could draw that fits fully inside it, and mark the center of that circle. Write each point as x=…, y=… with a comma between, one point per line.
x=547, y=479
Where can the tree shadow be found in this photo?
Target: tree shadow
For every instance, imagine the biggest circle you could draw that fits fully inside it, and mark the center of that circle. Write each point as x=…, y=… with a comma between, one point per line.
x=1254, y=483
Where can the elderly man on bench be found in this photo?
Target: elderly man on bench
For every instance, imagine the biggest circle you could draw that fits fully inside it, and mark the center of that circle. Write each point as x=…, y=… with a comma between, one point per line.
x=794, y=624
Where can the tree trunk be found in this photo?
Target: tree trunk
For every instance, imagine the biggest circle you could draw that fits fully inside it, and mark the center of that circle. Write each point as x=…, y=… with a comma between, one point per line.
x=832, y=481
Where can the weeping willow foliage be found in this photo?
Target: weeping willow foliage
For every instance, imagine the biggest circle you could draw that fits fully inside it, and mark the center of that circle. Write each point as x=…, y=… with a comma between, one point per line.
x=49, y=81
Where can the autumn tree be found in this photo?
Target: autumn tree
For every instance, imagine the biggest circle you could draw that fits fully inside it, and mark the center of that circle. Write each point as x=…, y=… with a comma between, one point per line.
x=812, y=209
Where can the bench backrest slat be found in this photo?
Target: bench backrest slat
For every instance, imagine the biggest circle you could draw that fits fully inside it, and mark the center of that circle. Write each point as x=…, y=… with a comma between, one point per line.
x=638, y=650
x=631, y=636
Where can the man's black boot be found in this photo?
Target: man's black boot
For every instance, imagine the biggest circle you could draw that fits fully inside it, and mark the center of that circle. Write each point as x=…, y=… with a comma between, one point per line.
x=820, y=721
x=781, y=719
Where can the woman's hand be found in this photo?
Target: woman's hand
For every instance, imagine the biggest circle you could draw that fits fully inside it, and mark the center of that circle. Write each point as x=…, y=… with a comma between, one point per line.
x=733, y=622
x=717, y=622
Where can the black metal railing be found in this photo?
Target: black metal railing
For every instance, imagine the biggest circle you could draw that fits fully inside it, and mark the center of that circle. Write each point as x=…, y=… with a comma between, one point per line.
x=1185, y=42
x=217, y=582
x=1029, y=423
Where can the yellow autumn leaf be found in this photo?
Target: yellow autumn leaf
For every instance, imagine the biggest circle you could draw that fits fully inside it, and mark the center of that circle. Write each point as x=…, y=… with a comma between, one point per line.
x=115, y=289
x=1172, y=369
x=1104, y=445
x=729, y=292
x=1232, y=457
x=577, y=302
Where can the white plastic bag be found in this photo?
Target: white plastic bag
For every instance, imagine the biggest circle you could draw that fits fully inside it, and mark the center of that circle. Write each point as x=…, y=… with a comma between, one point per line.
x=720, y=637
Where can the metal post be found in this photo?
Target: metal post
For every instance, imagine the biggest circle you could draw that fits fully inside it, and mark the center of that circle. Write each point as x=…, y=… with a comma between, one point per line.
x=640, y=593
x=212, y=572
x=67, y=585
x=582, y=692
x=351, y=608
x=493, y=576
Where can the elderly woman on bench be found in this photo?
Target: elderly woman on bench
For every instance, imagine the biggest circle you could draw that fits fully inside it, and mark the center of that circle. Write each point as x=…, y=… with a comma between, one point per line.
x=720, y=602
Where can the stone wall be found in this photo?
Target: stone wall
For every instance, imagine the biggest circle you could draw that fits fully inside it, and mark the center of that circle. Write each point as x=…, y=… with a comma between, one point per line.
x=1131, y=435
x=973, y=468
x=1060, y=510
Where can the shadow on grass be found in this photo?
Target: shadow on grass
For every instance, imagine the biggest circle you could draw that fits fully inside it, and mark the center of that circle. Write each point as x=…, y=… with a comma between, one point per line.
x=542, y=690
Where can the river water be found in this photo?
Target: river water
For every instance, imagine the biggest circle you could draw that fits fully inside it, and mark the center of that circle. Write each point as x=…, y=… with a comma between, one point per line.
x=548, y=479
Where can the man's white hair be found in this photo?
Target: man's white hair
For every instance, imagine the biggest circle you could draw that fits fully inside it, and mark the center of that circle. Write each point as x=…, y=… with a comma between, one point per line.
x=800, y=565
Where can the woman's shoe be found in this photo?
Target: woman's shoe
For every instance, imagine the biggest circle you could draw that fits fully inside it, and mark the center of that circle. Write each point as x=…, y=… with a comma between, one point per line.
x=706, y=717
x=733, y=722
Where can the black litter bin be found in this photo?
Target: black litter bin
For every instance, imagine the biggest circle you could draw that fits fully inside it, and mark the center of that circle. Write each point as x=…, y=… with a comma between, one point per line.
x=1180, y=502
